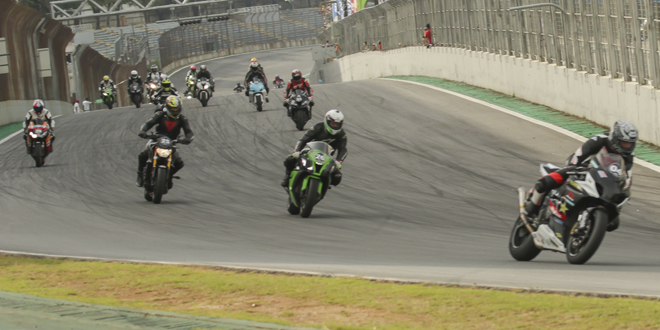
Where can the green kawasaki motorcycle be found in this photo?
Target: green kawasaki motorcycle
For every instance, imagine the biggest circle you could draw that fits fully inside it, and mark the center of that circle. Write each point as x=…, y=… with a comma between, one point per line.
x=310, y=179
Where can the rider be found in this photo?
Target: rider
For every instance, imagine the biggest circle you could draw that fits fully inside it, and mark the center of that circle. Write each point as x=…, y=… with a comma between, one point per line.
x=204, y=73
x=255, y=72
x=297, y=82
x=621, y=139
x=166, y=89
x=153, y=74
x=192, y=73
x=277, y=80
x=168, y=123
x=107, y=83
x=329, y=131
x=254, y=60
x=38, y=112
x=134, y=78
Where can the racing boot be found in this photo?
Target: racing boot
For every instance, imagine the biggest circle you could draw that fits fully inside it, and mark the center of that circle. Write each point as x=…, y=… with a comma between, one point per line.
x=140, y=179
x=285, y=180
x=533, y=204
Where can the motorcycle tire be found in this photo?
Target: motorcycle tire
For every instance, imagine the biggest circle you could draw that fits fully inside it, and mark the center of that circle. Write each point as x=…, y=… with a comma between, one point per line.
x=259, y=105
x=204, y=101
x=580, y=249
x=293, y=209
x=38, y=155
x=160, y=187
x=109, y=106
x=309, y=198
x=521, y=243
x=301, y=119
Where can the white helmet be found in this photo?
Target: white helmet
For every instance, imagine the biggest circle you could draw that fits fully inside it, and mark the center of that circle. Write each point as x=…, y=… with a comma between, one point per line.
x=134, y=73
x=334, y=120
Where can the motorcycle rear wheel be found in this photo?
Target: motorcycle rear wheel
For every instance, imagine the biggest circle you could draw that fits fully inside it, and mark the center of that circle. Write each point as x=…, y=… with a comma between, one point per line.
x=580, y=249
x=521, y=243
x=309, y=198
x=160, y=186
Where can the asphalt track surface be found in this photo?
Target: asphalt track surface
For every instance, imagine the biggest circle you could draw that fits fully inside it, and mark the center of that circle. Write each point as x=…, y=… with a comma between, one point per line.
x=429, y=191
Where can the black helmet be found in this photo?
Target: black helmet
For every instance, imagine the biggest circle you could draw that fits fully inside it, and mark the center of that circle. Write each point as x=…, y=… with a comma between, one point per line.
x=623, y=137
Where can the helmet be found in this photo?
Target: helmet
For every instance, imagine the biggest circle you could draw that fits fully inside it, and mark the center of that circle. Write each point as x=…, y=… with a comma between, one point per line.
x=173, y=106
x=254, y=59
x=334, y=120
x=38, y=106
x=134, y=73
x=194, y=68
x=623, y=137
x=202, y=67
x=296, y=75
x=254, y=65
x=106, y=78
x=277, y=76
x=166, y=84
x=154, y=68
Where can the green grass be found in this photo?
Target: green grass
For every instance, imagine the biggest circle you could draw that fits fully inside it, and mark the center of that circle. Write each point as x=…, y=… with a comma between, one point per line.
x=324, y=302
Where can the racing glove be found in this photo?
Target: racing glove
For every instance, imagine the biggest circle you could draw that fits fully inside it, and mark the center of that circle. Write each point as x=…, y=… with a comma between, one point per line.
x=285, y=104
x=338, y=164
x=184, y=141
x=267, y=90
x=143, y=135
x=295, y=154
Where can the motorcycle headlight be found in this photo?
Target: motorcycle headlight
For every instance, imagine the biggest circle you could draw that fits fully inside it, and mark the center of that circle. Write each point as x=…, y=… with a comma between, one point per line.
x=152, y=86
x=34, y=136
x=206, y=86
x=105, y=94
x=164, y=152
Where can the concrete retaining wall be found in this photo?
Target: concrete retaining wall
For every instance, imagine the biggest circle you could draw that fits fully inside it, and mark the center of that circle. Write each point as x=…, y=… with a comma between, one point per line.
x=600, y=99
x=238, y=50
x=14, y=111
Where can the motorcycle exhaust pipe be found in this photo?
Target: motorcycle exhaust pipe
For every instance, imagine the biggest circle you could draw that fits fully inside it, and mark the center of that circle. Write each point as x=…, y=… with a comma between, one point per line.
x=522, y=196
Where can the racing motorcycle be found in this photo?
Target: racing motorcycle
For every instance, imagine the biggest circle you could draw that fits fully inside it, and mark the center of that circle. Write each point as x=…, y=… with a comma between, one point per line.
x=278, y=84
x=39, y=141
x=136, y=94
x=152, y=87
x=257, y=94
x=299, y=109
x=108, y=97
x=204, y=91
x=310, y=179
x=573, y=218
x=190, y=83
x=157, y=172
x=238, y=88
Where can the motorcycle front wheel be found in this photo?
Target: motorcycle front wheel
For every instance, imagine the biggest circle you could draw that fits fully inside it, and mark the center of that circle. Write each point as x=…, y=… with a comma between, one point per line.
x=301, y=119
x=521, y=243
x=309, y=198
x=160, y=186
x=38, y=155
x=583, y=245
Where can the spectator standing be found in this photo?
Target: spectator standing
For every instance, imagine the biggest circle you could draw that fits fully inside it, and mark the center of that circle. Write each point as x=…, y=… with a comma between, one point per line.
x=380, y=46
x=428, y=41
x=86, y=104
x=337, y=50
x=366, y=47
x=76, y=107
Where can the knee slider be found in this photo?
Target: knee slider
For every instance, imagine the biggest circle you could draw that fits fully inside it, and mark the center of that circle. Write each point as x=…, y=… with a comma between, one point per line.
x=336, y=179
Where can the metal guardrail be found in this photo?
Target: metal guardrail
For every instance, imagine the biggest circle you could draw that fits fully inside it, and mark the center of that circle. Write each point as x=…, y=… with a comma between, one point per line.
x=617, y=38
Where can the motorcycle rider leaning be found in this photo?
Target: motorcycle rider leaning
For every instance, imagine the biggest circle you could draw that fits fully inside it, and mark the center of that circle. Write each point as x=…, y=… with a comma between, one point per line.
x=168, y=123
x=166, y=89
x=277, y=80
x=621, y=139
x=134, y=77
x=204, y=73
x=329, y=131
x=107, y=83
x=255, y=71
x=38, y=112
x=297, y=82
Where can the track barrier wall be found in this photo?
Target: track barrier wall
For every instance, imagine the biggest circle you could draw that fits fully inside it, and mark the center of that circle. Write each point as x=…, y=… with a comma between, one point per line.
x=600, y=99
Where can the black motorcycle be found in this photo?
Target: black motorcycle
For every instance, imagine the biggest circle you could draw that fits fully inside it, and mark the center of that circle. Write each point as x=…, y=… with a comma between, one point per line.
x=573, y=219
x=299, y=109
x=157, y=171
x=238, y=88
x=39, y=141
x=135, y=90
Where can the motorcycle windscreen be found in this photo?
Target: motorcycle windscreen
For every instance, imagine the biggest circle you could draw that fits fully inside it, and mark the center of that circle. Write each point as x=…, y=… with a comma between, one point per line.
x=613, y=164
x=320, y=146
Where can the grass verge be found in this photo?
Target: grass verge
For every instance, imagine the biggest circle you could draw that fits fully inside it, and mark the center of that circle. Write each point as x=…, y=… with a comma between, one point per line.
x=312, y=301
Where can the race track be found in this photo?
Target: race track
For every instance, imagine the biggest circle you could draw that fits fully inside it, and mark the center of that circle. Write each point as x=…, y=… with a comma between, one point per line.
x=429, y=191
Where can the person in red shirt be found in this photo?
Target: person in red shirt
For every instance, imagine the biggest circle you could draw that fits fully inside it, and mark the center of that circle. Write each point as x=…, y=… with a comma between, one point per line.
x=298, y=82
x=427, y=35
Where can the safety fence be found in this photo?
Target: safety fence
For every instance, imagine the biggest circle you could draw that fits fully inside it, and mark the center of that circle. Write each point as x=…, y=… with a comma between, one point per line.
x=617, y=38
x=226, y=36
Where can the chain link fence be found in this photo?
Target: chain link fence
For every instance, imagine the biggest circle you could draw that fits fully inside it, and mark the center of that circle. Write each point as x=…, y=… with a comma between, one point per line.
x=239, y=30
x=617, y=38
